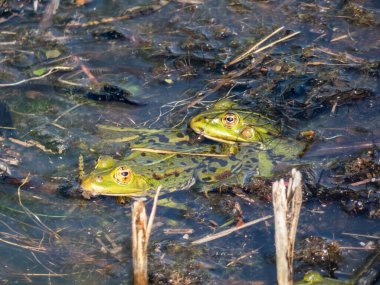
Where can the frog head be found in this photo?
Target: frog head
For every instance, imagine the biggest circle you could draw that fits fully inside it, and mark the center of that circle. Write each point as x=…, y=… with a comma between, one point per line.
x=227, y=123
x=114, y=178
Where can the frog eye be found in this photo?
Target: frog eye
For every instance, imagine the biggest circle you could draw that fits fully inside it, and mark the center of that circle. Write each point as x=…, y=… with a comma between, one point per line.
x=123, y=175
x=230, y=120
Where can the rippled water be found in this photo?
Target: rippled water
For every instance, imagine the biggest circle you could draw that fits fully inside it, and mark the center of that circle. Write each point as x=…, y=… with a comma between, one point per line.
x=165, y=54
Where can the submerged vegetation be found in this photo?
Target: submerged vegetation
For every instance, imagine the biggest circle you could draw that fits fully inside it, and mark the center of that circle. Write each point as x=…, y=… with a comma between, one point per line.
x=92, y=77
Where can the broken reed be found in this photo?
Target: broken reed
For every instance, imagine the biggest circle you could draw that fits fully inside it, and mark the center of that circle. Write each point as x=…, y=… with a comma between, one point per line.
x=287, y=203
x=141, y=230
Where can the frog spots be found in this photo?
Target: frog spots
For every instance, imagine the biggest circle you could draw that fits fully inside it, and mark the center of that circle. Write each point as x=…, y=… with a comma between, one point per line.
x=160, y=176
x=233, y=158
x=194, y=160
x=206, y=179
x=221, y=162
x=180, y=135
x=223, y=175
x=163, y=139
x=212, y=169
x=143, y=154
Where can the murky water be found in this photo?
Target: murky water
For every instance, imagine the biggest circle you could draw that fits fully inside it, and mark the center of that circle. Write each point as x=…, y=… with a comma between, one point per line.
x=166, y=54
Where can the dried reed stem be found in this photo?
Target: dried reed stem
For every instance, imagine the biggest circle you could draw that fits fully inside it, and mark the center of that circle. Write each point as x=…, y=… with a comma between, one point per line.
x=140, y=257
x=287, y=206
x=141, y=230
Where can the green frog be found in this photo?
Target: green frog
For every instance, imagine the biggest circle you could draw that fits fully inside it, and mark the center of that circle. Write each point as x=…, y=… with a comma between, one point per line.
x=315, y=278
x=165, y=157
x=248, y=133
x=228, y=123
x=159, y=157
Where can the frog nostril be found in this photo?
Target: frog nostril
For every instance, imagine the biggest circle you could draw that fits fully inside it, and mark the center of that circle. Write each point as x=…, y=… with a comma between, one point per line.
x=99, y=178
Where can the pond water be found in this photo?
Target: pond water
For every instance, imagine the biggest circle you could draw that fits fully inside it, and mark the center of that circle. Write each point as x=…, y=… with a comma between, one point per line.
x=164, y=61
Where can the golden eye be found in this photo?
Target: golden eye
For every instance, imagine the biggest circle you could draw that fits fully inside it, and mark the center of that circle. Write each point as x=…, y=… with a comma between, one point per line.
x=230, y=120
x=123, y=175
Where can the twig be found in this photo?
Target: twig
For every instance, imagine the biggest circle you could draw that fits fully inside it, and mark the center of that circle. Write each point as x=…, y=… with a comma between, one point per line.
x=31, y=143
x=255, y=49
x=229, y=231
x=67, y=111
x=33, y=216
x=360, y=235
x=152, y=216
x=365, y=181
x=242, y=257
x=51, y=71
x=356, y=248
x=276, y=42
x=33, y=248
x=178, y=231
x=342, y=37
x=164, y=151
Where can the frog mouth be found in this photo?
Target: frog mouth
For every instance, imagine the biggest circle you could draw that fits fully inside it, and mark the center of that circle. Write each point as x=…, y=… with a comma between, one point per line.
x=201, y=132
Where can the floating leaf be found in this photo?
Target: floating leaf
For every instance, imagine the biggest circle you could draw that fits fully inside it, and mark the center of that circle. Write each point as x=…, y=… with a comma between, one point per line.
x=54, y=53
x=169, y=81
x=40, y=71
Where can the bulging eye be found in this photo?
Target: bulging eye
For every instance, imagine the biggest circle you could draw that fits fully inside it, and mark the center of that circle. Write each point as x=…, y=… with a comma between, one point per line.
x=230, y=120
x=123, y=175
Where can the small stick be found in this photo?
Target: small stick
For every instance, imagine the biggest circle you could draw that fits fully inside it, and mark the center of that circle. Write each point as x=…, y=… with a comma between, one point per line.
x=164, y=151
x=178, y=231
x=229, y=231
x=242, y=257
x=361, y=235
x=276, y=42
x=339, y=38
x=51, y=71
x=253, y=48
x=152, y=215
x=356, y=248
x=67, y=111
x=32, y=248
x=33, y=216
